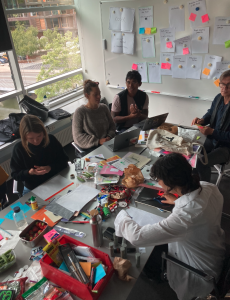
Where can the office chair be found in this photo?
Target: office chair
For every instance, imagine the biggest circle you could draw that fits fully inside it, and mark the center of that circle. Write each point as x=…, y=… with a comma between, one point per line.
x=220, y=288
x=80, y=152
x=220, y=170
x=4, y=202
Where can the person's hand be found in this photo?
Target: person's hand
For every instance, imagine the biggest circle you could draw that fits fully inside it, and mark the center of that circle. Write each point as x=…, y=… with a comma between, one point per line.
x=102, y=141
x=197, y=121
x=206, y=130
x=170, y=199
x=108, y=138
x=39, y=170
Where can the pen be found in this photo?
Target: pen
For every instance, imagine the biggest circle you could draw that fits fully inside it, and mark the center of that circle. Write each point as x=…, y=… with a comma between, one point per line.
x=6, y=231
x=128, y=214
x=100, y=157
x=195, y=97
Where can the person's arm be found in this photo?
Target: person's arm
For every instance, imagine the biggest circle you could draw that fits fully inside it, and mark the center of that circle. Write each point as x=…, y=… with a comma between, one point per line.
x=169, y=230
x=144, y=114
x=81, y=138
x=222, y=136
x=208, y=115
x=60, y=158
x=122, y=119
x=18, y=169
x=112, y=127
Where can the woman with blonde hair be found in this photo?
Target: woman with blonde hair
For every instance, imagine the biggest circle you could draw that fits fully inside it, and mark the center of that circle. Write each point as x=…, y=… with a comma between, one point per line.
x=38, y=156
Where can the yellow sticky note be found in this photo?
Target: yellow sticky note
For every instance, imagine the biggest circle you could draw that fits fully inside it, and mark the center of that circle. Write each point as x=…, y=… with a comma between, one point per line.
x=140, y=137
x=206, y=71
x=216, y=82
x=86, y=266
x=147, y=30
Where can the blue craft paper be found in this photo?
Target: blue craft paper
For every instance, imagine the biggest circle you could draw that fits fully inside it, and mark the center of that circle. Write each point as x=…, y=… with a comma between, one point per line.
x=24, y=207
x=63, y=267
x=10, y=215
x=100, y=273
x=16, y=204
x=1, y=220
x=141, y=30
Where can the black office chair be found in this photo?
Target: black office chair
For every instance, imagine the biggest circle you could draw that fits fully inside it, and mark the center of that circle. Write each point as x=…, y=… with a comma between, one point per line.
x=220, y=170
x=4, y=202
x=220, y=288
x=80, y=152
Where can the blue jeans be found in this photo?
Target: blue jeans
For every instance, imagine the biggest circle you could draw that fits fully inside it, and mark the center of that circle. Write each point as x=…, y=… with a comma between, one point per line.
x=25, y=191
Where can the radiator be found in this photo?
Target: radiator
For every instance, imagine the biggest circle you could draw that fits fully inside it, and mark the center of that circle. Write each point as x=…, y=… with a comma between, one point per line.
x=64, y=136
x=6, y=166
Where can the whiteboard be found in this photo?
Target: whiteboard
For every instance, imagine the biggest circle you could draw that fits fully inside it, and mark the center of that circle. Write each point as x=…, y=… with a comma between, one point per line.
x=117, y=65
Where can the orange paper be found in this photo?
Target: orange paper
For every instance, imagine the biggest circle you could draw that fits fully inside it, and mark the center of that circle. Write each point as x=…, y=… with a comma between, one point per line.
x=147, y=30
x=206, y=71
x=217, y=82
x=104, y=162
x=86, y=266
x=40, y=215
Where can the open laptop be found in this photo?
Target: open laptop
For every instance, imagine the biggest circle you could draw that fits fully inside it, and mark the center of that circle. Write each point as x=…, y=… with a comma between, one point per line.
x=123, y=140
x=151, y=123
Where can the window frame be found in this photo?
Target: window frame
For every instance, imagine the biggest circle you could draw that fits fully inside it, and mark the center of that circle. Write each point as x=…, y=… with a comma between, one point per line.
x=20, y=88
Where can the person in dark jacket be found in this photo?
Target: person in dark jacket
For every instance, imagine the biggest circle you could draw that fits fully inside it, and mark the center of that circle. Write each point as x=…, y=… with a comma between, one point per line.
x=131, y=105
x=38, y=156
x=217, y=143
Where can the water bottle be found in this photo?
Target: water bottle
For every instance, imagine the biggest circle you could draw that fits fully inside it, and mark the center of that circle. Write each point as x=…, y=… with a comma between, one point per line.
x=95, y=223
x=19, y=218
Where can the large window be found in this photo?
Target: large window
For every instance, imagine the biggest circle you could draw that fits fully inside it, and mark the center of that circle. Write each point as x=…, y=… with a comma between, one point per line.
x=46, y=59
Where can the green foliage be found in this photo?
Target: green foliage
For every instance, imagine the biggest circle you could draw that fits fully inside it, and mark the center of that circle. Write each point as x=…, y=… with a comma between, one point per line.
x=25, y=39
x=63, y=55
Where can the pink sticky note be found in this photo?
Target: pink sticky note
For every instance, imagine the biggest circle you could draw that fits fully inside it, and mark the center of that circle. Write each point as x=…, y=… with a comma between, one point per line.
x=185, y=51
x=1, y=237
x=134, y=67
x=205, y=18
x=169, y=45
x=51, y=235
x=192, y=17
x=168, y=66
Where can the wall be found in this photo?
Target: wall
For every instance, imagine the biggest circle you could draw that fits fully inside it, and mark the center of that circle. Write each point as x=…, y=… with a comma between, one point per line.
x=181, y=110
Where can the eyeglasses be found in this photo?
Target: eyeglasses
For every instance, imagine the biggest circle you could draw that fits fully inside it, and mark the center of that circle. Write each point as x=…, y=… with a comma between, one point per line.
x=223, y=85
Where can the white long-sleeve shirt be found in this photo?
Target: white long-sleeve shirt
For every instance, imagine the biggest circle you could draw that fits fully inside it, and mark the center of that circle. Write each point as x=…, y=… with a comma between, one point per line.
x=193, y=234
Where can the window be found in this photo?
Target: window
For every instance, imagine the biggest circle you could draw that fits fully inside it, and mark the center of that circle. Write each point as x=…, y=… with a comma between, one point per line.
x=47, y=58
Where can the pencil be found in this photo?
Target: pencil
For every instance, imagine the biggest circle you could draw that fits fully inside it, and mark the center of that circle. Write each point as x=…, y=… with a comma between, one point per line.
x=6, y=231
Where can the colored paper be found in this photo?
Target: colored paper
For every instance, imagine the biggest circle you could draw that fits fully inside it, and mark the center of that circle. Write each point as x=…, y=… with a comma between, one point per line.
x=166, y=66
x=54, y=218
x=113, y=158
x=1, y=220
x=192, y=17
x=64, y=267
x=206, y=71
x=110, y=170
x=185, y=51
x=10, y=215
x=51, y=235
x=227, y=44
x=141, y=30
x=217, y=82
x=40, y=215
x=1, y=237
x=24, y=207
x=153, y=30
x=99, y=273
x=169, y=45
x=205, y=18
x=134, y=67
x=221, y=30
x=86, y=266
x=147, y=30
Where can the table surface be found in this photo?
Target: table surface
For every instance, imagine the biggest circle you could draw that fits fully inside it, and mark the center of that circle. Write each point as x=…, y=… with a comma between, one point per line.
x=116, y=289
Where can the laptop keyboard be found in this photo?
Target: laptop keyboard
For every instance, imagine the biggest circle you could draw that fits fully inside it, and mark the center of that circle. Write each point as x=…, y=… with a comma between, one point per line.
x=110, y=146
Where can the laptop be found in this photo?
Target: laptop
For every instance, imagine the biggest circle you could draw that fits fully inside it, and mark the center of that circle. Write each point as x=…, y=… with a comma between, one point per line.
x=151, y=123
x=126, y=139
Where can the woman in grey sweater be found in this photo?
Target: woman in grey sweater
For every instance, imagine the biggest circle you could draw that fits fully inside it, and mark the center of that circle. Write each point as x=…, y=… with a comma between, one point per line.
x=92, y=123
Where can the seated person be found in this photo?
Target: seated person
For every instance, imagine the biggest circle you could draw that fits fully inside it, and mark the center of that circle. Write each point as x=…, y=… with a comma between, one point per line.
x=131, y=105
x=92, y=123
x=192, y=230
x=217, y=143
x=38, y=156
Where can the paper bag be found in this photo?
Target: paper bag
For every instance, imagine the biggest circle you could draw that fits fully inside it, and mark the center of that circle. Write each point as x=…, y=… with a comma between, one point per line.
x=122, y=267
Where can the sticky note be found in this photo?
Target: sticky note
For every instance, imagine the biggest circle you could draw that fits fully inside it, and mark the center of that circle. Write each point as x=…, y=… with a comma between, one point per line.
x=99, y=274
x=166, y=66
x=147, y=30
x=1, y=237
x=217, y=82
x=198, y=137
x=141, y=30
x=206, y=71
x=227, y=44
x=185, y=51
x=192, y=17
x=169, y=45
x=205, y=18
x=134, y=67
x=1, y=220
x=153, y=30
x=86, y=266
x=51, y=235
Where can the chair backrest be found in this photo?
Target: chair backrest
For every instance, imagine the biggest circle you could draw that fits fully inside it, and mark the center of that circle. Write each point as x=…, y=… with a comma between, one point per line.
x=223, y=284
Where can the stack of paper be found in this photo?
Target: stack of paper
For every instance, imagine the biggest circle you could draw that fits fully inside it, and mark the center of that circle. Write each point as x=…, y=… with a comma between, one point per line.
x=131, y=158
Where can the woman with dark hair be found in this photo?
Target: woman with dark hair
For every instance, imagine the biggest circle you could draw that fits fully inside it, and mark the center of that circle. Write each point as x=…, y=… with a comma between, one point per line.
x=192, y=230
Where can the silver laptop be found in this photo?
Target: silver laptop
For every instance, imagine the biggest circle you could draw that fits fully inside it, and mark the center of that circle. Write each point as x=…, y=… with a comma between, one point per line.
x=126, y=139
x=151, y=123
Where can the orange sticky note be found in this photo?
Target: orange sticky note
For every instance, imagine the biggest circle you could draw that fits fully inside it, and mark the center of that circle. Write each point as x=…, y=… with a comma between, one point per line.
x=206, y=71
x=147, y=30
x=86, y=266
x=217, y=82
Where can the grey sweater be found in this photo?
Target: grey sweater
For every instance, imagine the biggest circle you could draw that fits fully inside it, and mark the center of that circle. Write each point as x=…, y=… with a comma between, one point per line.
x=91, y=125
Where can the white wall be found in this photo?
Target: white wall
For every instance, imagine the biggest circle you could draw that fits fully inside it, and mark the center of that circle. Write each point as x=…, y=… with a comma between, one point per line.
x=181, y=110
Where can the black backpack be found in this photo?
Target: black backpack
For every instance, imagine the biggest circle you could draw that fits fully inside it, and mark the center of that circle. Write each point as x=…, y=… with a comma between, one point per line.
x=9, y=128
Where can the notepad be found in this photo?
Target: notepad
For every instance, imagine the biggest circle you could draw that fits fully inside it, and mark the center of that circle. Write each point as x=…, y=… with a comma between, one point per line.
x=86, y=266
x=99, y=274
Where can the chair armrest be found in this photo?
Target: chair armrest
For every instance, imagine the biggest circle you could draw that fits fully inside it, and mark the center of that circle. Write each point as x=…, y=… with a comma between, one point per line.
x=15, y=187
x=78, y=148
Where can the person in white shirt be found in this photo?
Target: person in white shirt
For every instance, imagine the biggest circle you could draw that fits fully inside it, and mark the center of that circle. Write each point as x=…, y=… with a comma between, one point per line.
x=192, y=230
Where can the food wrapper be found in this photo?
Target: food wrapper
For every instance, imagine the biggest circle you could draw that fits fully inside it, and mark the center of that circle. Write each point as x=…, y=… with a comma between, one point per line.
x=169, y=127
x=122, y=267
x=53, y=251
x=133, y=177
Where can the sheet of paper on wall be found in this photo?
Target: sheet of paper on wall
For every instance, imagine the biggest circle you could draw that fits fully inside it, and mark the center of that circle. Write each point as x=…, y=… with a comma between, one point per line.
x=221, y=30
x=197, y=8
x=221, y=67
x=142, y=69
x=200, y=40
x=122, y=42
x=121, y=19
x=210, y=63
x=146, y=17
x=148, y=46
x=128, y=43
x=167, y=35
x=193, y=66
x=166, y=58
x=176, y=17
x=179, y=66
x=182, y=43
x=154, y=72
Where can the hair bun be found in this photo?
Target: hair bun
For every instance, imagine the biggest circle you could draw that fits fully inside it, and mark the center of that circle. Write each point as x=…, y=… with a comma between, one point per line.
x=87, y=81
